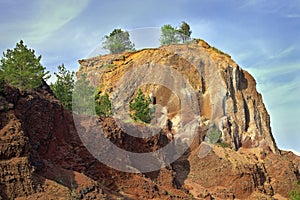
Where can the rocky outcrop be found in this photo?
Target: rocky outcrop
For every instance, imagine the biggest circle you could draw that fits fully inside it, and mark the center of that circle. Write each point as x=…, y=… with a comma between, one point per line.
x=32, y=128
x=226, y=95
x=42, y=156
x=245, y=165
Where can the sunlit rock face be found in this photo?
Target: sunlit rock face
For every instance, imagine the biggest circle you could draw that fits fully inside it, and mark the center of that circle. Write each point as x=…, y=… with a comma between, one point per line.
x=191, y=78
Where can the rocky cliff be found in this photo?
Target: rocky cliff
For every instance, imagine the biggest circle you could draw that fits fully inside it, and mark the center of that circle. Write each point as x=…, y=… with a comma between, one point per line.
x=226, y=95
x=43, y=157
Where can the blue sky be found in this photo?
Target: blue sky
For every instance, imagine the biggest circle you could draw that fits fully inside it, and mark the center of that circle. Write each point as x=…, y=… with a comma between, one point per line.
x=262, y=36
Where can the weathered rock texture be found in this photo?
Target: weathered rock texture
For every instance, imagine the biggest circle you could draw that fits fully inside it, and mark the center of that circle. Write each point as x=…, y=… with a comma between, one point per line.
x=42, y=156
x=226, y=94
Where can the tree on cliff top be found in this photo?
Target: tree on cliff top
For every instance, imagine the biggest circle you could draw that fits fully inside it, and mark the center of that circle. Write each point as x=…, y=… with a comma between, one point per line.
x=169, y=35
x=64, y=86
x=22, y=69
x=118, y=41
x=184, y=32
x=172, y=35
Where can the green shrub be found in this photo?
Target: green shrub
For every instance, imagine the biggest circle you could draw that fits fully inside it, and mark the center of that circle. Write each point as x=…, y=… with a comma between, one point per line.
x=214, y=135
x=110, y=66
x=223, y=144
x=294, y=195
x=219, y=51
x=103, y=105
x=139, y=108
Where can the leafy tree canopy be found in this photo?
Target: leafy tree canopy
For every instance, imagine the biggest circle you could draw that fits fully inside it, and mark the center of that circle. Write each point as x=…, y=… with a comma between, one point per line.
x=64, y=86
x=118, y=41
x=214, y=135
x=22, y=69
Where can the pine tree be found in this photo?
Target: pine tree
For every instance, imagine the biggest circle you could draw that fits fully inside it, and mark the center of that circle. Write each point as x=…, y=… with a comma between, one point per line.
x=22, y=69
x=118, y=41
x=184, y=32
x=140, y=109
x=83, y=101
x=169, y=35
x=64, y=86
x=103, y=105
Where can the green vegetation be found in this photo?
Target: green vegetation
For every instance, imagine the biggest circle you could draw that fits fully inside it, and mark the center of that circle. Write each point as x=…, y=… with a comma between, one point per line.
x=74, y=195
x=1, y=80
x=83, y=96
x=184, y=32
x=110, y=66
x=20, y=68
x=223, y=144
x=170, y=193
x=86, y=99
x=139, y=108
x=295, y=193
x=169, y=35
x=219, y=51
x=214, y=135
x=172, y=35
x=118, y=41
x=103, y=105
x=64, y=86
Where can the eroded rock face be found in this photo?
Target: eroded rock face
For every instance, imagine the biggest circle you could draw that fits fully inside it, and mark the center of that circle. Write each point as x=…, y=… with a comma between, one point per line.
x=35, y=134
x=42, y=156
x=226, y=95
x=220, y=95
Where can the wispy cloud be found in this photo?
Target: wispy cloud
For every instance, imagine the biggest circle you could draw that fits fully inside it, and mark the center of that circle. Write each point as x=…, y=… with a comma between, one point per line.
x=292, y=16
x=269, y=71
x=282, y=53
x=53, y=15
x=251, y=3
